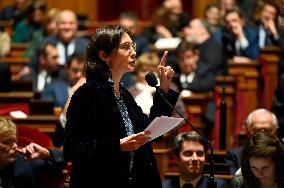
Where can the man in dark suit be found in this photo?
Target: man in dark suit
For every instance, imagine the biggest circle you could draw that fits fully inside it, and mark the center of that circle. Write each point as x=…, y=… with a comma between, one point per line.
x=58, y=89
x=66, y=41
x=190, y=149
x=47, y=68
x=240, y=40
x=268, y=31
x=20, y=167
x=259, y=119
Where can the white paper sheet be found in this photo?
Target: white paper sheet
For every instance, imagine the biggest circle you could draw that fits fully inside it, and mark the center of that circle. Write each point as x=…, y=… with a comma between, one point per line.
x=161, y=125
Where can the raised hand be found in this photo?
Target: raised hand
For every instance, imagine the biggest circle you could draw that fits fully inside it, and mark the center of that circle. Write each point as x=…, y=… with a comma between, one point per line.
x=166, y=74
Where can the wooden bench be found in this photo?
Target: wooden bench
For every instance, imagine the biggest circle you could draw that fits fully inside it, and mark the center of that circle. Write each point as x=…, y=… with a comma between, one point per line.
x=18, y=49
x=16, y=64
x=16, y=97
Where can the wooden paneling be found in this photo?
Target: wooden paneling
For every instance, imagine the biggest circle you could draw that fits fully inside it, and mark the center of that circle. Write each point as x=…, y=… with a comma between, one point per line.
x=199, y=6
x=110, y=9
x=89, y=8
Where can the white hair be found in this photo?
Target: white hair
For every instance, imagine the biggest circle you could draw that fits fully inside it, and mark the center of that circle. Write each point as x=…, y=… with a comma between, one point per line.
x=248, y=121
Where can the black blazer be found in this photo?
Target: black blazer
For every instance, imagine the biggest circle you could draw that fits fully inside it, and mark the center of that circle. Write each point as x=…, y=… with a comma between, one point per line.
x=22, y=173
x=92, y=138
x=233, y=159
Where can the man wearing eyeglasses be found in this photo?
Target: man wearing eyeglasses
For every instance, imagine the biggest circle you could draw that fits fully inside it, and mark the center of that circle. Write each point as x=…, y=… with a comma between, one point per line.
x=18, y=166
x=190, y=151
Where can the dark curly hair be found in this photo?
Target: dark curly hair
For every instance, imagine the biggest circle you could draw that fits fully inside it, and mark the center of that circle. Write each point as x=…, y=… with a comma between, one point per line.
x=262, y=145
x=107, y=39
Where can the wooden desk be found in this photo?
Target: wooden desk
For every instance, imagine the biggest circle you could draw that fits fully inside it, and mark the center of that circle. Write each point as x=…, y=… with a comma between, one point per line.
x=195, y=106
x=162, y=158
x=16, y=64
x=7, y=25
x=16, y=97
x=246, y=76
x=18, y=49
x=44, y=123
x=269, y=59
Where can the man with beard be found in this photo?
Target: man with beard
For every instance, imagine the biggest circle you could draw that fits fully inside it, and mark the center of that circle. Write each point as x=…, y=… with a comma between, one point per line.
x=190, y=149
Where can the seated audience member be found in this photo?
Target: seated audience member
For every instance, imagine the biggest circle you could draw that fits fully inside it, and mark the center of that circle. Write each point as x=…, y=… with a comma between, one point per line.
x=143, y=93
x=259, y=119
x=191, y=76
x=262, y=163
x=209, y=51
x=26, y=28
x=5, y=43
x=57, y=90
x=190, y=150
x=268, y=31
x=240, y=40
x=129, y=20
x=15, y=12
x=19, y=167
x=48, y=67
x=226, y=5
x=65, y=40
x=212, y=16
x=49, y=29
x=168, y=20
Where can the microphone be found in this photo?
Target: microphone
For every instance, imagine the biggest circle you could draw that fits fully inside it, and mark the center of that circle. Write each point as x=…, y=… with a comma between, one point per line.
x=152, y=81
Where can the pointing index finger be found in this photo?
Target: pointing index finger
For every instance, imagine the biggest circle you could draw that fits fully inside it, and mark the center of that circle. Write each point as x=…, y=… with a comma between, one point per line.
x=163, y=60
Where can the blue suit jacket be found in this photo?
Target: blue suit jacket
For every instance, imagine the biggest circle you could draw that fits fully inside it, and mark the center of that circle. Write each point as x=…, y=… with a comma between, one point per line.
x=251, y=35
x=56, y=91
x=174, y=183
x=233, y=158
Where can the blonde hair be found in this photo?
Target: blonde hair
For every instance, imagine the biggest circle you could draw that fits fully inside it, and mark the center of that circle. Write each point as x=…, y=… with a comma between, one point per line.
x=149, y=59
x=7, y=127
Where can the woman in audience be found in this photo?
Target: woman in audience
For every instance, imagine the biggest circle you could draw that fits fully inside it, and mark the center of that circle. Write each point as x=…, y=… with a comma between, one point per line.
x=262, y=162
x=104, y=134
x=49, y=28
x=15, y=12
x=143, y=93
x=25, y=29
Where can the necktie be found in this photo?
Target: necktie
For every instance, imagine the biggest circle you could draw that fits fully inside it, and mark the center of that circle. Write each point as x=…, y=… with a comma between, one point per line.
x=66, y=53
x=187, y=185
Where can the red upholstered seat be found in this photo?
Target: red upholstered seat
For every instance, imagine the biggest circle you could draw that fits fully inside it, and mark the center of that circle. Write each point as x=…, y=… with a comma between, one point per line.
x=34, y=135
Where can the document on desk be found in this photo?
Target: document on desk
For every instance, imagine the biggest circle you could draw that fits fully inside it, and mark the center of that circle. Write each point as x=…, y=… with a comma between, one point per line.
x=163, y=124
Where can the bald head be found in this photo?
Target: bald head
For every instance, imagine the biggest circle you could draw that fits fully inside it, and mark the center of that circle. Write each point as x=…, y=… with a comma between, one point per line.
x=67, y=25
x=261, y=119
